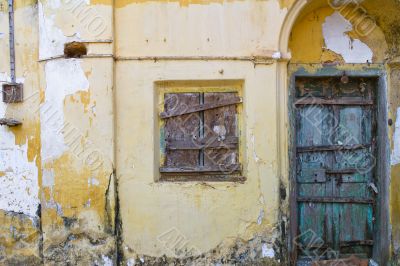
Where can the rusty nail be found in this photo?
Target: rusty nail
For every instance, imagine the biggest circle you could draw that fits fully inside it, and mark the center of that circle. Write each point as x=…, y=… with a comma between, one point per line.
x=344, y=79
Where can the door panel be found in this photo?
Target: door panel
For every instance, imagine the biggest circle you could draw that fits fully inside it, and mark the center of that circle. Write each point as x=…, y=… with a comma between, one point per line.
x=314, y=123
x=335, y=167
x=309, y=167
x=313, y=224
x=354, y=125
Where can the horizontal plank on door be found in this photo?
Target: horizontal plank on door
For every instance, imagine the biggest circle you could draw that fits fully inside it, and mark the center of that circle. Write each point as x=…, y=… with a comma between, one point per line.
x=333, y=148
x=348, y=171
x=201, y=107
x=198, y=144
x=342, y=181
x=202, y=169
x=337, y=101
x=341, y=171
x=335, y=200
x=357, y=243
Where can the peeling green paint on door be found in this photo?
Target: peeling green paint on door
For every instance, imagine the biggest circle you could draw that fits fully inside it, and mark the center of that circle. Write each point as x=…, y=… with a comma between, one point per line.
x=335, y=157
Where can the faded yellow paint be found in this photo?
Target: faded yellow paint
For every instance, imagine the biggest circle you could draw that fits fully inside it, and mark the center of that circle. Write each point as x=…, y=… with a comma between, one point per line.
x=395, y=202
x=286, y=3
x=307, y=42
x=20, y=3
x=85, y=99
x=20, y=233
x=223, y=211
x=385, y=13
x=73, y=189
x=182, y=3
x=251, y=35
x=15, y=228
x=78, y=18
x=329, y=56
x=33, y=139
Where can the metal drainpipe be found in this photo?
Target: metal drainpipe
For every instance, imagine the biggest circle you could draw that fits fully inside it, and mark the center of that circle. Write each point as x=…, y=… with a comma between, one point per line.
x=11, y=40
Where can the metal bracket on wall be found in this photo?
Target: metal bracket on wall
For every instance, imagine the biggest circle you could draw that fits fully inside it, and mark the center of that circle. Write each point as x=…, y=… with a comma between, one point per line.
x=9, y=122
x=13, y=93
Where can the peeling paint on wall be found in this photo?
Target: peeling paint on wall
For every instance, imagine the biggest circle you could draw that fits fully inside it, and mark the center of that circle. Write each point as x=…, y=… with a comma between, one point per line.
x=107, y=261
x=335, y=31
x=19, y=187
x=63, y=77
x=255, y=156
x=130, y=262
x=48, y=178
x=52, y=39
x=267, y=252
x=4, y=77
x=93, y=182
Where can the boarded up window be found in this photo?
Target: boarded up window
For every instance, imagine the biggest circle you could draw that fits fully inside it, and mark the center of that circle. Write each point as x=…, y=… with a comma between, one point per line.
x=201, y=134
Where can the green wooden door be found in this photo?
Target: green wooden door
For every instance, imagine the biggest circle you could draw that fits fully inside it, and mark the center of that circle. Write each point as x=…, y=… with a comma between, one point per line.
x=335, y=167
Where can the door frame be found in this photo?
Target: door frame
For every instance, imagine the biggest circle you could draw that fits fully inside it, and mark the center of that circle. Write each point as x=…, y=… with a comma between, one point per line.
x=381, y=229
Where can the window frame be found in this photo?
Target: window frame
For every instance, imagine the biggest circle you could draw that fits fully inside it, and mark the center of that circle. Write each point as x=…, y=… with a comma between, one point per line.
x=167, y=87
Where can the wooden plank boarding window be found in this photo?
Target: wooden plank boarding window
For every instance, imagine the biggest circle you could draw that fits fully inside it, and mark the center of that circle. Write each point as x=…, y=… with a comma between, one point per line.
x=201, y=140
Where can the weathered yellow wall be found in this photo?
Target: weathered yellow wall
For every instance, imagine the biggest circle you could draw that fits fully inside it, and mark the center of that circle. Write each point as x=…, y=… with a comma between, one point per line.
x=77, y=133
x=230, y=28
x=20, y=160
x=223, y=212
x=99, y=116
x=212, y=216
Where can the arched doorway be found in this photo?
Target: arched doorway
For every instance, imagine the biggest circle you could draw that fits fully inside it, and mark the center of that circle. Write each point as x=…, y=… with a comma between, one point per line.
x=325, y=44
